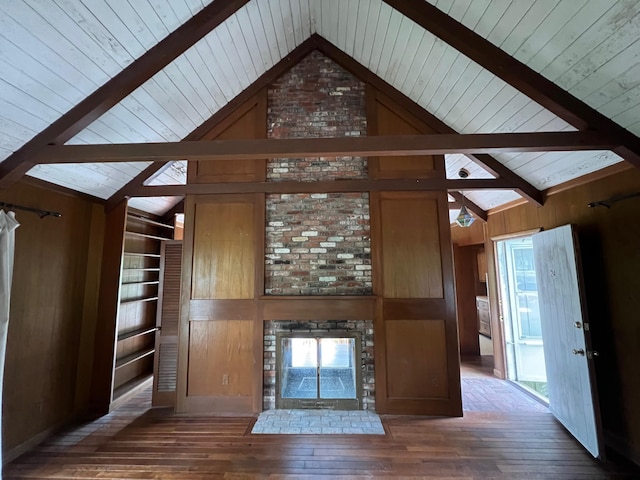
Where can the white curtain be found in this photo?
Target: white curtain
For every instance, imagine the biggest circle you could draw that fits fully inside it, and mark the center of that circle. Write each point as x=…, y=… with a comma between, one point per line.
x=8, y=224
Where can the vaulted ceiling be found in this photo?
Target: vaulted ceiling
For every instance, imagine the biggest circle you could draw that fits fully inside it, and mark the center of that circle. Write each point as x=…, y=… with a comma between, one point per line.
x=55, y=54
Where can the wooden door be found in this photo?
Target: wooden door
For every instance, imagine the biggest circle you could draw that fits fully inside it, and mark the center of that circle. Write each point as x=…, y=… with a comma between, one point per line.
x=168, y=316
x=565, y=331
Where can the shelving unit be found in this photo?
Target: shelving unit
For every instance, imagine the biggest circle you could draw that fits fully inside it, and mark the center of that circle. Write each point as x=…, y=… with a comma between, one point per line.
x=136, y=319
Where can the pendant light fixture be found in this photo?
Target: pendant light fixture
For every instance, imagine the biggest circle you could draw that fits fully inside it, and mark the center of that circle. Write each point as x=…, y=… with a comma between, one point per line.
x=464, y=218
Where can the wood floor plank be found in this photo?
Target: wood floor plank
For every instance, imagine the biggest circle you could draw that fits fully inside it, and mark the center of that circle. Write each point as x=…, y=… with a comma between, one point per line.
x=136, y=442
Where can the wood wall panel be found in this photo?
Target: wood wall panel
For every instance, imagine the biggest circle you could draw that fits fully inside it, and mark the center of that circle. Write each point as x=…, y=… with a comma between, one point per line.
x=411, y=263
x=221, y=359
x=318, y=308
x=473, y=235
x=415, y=308
x=464, y=259
x=384, y=117
x=53, y=315
x=223, y=251
x=207, y=310
x=249, y=121
x=416, y=359
x=220, y=340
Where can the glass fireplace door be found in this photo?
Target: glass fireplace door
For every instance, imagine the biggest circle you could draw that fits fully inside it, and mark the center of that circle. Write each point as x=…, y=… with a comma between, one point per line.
x=317, y=372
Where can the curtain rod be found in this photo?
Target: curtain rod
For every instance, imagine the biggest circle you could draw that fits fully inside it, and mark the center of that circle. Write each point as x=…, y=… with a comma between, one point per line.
x=41, y=213
x=615, y=199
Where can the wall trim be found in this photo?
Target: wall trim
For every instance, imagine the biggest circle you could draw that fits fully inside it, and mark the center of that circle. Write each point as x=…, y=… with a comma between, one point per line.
x=38, y=438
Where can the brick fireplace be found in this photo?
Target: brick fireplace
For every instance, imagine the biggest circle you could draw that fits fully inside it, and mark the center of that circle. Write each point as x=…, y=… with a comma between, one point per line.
x=365, y=362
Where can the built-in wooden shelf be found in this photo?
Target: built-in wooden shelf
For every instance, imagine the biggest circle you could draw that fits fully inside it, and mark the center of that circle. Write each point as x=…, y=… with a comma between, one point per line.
x=139, y=300
x=134, y=357
x=150, y=282
x=154, y=269
x=135, y=254
x=145, y=235
x=151, y=222
x=130, y=388
x=136, y=333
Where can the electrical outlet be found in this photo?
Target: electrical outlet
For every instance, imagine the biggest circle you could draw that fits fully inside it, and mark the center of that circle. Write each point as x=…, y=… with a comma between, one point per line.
x=225, y=379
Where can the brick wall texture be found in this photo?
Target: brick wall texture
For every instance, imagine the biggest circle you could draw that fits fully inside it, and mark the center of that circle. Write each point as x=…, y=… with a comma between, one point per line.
x=317, y=244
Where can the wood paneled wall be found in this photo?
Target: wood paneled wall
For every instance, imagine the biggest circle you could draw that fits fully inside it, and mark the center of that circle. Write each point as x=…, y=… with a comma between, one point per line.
x=464, y=260
x=611, y=261
x=473, y=235
x=220, y=333
x=53, y=314
x=417, y=361
x=220, y=352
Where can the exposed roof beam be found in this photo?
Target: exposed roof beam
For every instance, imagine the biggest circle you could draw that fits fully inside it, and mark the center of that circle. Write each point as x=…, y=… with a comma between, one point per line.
x=477, y=211
x=327, y=186
x=401, y=145
x=263, y=81
x=518, y=75
x=112, y=92
x=489, y=163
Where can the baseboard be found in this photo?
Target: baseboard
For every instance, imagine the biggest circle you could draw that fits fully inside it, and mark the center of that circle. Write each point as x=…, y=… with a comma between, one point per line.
x=621, y=445
x=27, y=445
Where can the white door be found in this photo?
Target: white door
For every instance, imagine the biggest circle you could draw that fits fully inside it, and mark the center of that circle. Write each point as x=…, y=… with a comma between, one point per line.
x=567, y=346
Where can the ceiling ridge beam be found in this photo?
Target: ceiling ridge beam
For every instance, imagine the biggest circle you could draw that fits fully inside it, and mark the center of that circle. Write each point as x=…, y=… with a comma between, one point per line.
x=489, y=163
x=280, y=68
x=118, y=87
x=324, y=186
x=473, y=207
x=515, y=73
x=365, y=146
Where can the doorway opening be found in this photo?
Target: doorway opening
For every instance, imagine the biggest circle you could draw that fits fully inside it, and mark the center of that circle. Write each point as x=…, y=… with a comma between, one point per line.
x=318, y=370
x=520, y=312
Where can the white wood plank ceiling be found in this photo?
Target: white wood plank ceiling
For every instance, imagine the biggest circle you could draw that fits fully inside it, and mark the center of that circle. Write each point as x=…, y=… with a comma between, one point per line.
x=53, y=53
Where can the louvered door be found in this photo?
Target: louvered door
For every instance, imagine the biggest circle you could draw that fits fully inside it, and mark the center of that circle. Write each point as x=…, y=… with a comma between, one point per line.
x=166, y=359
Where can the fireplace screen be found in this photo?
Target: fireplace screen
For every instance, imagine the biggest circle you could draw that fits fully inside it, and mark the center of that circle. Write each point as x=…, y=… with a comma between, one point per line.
x=317, y=371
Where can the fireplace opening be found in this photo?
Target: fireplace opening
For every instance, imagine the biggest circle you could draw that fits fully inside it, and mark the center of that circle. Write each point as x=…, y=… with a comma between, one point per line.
x=318, y=370
x=319, y=379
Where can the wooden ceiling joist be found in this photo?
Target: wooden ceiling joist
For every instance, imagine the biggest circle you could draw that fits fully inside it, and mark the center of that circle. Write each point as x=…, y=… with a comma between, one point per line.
x=262, y=82
x=518, y=75
x=489, y=163
x=121, y=85
x=328, y=186
x=401, y=145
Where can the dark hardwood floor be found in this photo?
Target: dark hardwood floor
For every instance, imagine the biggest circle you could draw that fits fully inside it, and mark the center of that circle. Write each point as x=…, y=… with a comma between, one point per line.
x=504, y=442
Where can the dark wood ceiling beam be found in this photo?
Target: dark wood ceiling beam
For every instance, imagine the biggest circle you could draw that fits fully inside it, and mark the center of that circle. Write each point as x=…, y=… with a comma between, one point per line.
x=112, y=92
x=478, y=211
x=489, y=163
x=263, y=81
x=328, y=186
x=401, y=145
x=518, y=75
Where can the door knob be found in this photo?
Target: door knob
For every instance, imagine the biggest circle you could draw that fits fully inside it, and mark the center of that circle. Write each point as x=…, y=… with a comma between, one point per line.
x=578, y=351
x=577, y=324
